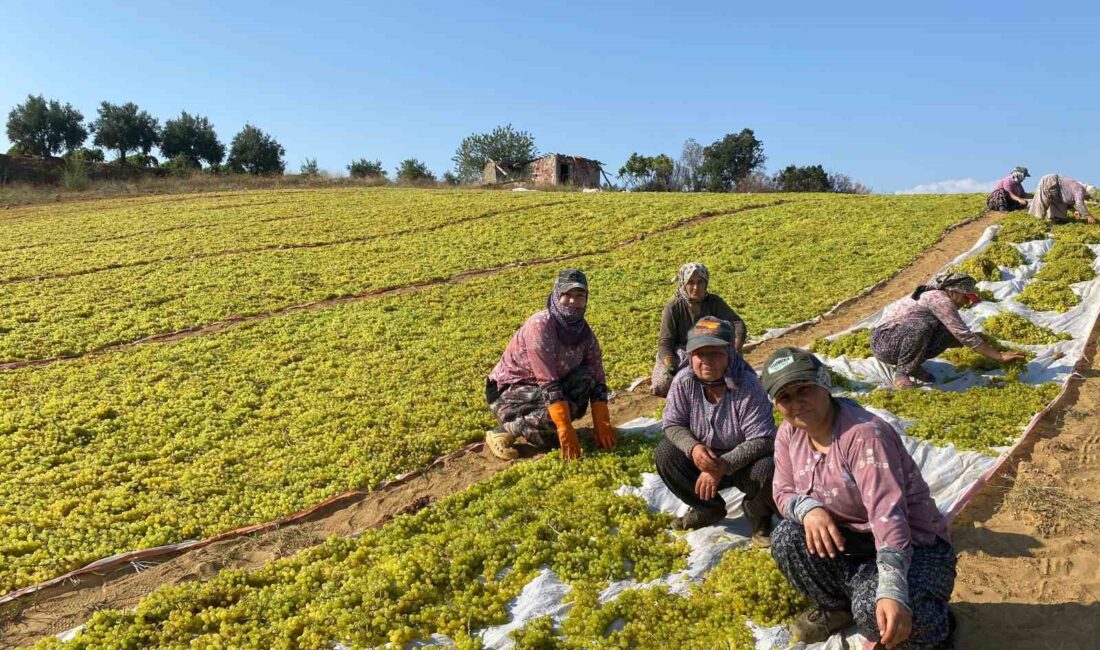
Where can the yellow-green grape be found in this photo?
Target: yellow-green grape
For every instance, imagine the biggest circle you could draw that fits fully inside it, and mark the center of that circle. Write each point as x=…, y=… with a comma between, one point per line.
x=1066, y=270
x=1080, y=233
x=1069, y=250
x=1016, y=328
x=854, y=345
x=1018, y=227
x=1048, y=296
x=987, y=264
x=967, y=359
x=977, y=419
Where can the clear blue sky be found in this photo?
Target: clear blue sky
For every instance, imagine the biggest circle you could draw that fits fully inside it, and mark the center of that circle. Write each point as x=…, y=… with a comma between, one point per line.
x=894, y=94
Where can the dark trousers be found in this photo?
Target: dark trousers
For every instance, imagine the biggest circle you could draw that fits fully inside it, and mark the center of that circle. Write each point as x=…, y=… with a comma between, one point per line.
x=908, y=344
x=679, y=473
x=850, y=581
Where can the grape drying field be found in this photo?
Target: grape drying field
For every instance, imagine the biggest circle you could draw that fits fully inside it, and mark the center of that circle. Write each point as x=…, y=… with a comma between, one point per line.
x=328, y=340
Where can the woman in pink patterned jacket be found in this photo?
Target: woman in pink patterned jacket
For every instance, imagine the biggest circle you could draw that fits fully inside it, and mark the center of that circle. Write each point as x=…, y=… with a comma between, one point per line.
x=927, y=323
x=861, y=536
x=549, y=373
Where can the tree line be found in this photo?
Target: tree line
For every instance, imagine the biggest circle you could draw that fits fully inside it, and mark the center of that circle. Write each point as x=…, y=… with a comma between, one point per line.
x=39, y=127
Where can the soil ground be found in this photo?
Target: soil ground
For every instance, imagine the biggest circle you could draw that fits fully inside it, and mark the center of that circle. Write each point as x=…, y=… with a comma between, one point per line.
x=1029, y=573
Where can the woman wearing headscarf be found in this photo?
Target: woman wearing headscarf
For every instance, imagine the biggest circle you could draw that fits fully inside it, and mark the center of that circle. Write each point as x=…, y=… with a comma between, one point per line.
x=549, y=373
x=691, y=302
x=861, y=536
x=925, y=324
x=718, y=433
x=1055, y=195
x=1008, y=194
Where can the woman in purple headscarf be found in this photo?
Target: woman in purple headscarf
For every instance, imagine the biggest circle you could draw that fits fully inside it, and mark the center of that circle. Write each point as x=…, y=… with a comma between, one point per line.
x=549, y=373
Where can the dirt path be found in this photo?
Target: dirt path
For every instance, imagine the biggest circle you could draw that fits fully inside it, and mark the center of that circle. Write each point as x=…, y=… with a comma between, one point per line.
x=1029, y=543
x=65, y=606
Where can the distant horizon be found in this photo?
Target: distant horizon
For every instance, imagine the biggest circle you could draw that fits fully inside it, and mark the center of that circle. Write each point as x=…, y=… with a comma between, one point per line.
x=929, y=98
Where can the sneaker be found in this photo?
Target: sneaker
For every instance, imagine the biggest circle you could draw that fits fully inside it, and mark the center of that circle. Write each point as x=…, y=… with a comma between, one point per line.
x=501, y=444
x=696, y=518
x=816, y=625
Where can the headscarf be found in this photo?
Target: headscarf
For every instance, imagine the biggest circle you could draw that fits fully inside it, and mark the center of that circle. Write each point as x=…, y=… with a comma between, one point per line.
x=682, y=276
x=569, y=322
x=1017, y=176
x=947, y=280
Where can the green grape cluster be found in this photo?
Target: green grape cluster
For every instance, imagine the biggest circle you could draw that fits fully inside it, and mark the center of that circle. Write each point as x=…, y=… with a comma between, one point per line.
x=156, y=444
x=1014, y=327
x=1048, y=296
x=1069, y=250
x=746, y=585
x=1019, y=227
x=1078, y=233
x=976, y=419
x=967, y=359
x=451, y=568
x=854, y=345
x=987, y=264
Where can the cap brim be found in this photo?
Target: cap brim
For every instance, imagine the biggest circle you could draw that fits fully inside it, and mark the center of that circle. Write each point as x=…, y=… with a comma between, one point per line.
x=704, y=341
x=973, y=298
x=569, y=286
x=802, y=377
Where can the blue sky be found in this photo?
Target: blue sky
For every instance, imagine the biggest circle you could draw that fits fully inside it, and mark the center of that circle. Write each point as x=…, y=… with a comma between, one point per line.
x=895, y=95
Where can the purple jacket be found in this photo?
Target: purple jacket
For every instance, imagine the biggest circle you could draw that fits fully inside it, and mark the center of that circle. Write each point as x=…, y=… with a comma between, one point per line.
x=744, y=413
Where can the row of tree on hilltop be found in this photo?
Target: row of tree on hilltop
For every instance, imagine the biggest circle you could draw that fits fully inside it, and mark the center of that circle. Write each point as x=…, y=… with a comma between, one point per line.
x=48, y=128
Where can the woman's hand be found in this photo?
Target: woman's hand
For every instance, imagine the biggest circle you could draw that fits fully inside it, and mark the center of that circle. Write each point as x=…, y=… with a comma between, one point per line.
x=823, y=538
x=706, y=486
x=894, y=622
x=705, y=458
x=1012, y=355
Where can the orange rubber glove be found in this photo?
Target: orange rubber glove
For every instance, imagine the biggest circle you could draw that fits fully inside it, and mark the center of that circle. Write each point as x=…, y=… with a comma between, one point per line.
x=601, y=419
x=567, y=435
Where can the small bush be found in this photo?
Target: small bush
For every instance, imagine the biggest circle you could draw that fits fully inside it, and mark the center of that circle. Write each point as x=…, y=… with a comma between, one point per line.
x=74, y=173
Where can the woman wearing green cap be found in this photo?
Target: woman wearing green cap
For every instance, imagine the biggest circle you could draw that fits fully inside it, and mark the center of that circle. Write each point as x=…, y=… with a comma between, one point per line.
x=1008, y=194
x=925, y=324
x=718, y=432
x=549, y=373
x=861, y=536
x=691, y=302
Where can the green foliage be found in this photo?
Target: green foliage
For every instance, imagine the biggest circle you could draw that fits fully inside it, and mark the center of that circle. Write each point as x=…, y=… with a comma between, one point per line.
x=87, y=155
x=648, y=173
x=191, y=138
x=811, y=178
x=310, y=168
x=74, y=173
x=450, y=568
x=503, y=143
x=1020, y=227
x=975, y=419
x=181, y=166
x=364, y=168
x=854, y=345
x=1016, y=328
x=40, y=128
x=125, y=128
x=412, y=170
x=255, y=152
x=727, y=161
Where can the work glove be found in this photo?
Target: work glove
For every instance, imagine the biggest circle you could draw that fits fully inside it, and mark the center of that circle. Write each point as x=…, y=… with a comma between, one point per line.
x=567, y=435
x=601, y=421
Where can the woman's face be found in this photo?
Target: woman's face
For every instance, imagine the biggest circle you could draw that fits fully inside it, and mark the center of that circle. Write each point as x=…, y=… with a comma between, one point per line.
x=960, y=299
x=709, y=362
x=574, y=298
x=805, y=405
x=695, y=287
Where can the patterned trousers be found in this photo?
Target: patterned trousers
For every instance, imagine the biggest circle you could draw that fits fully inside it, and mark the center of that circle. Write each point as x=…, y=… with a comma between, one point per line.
x=679, y=473
x=661, y=379
x=1000, y=201
x=521, y=409
x=850, y=582
x=908, y=344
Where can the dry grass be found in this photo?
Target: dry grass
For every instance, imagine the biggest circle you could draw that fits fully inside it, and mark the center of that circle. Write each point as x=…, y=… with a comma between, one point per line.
x=1054, y=508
